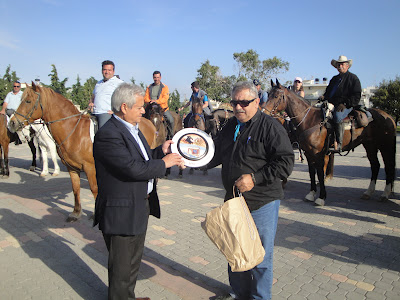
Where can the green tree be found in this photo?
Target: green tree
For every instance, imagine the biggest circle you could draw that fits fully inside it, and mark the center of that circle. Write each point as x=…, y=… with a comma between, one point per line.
x=6, y=82
x=387, y=97
x=174, y=101
x=88, y=88
x=251, y=67
x=210, y=80
x=77, y=94
x=55, y=83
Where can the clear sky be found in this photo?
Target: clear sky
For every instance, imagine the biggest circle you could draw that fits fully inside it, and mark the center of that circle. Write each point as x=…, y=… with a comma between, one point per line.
x=175, y=37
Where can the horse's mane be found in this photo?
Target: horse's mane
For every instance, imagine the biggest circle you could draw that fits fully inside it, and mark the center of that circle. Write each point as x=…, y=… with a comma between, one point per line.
x=49, y=95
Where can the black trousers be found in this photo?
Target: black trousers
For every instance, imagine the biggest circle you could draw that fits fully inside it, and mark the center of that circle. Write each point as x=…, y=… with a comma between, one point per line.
x=124, y=257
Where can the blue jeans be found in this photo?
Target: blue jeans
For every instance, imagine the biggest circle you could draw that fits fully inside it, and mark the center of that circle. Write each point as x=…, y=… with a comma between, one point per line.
x=257, y=282
x=340, y=115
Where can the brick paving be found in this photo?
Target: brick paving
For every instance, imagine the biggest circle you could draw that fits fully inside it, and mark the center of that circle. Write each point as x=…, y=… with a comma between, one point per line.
x=348, y=249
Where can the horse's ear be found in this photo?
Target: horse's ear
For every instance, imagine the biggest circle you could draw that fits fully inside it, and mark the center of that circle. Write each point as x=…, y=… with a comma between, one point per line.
x=278, y=84
x=272, y=83
x=33, y=86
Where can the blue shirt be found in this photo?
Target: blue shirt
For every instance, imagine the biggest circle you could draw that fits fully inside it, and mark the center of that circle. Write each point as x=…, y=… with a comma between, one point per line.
x=102, y=94
x=13, y=100
x=134, y=130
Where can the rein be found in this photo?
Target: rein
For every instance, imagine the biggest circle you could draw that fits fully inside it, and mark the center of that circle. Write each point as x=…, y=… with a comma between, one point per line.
x=29, y=115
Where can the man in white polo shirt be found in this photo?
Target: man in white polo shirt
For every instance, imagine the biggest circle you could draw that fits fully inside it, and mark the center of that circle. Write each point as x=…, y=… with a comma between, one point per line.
x=12, y=100
x=100, y=104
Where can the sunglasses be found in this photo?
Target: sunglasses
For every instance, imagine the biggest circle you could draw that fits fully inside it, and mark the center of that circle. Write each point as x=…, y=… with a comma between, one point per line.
x=17, y=86
x=242, y=103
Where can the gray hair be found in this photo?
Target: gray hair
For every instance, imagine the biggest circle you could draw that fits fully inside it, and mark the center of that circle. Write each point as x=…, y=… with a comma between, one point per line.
x=125, y=93
x=245, y=85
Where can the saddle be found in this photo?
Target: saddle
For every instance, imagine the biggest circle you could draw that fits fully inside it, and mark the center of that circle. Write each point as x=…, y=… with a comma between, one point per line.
x=360, y=116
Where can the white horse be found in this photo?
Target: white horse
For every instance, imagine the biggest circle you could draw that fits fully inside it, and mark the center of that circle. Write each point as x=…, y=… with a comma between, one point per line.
x=45, y=143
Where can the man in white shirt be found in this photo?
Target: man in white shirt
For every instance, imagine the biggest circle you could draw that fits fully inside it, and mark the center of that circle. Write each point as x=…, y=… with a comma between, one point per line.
x=12, y=100
x=100, y=103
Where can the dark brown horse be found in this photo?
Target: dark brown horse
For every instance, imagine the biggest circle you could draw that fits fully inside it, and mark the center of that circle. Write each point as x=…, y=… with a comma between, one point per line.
x=379, y=135
x=70, y=130
x=155, y=113
x=221, y=117
x=6, y=137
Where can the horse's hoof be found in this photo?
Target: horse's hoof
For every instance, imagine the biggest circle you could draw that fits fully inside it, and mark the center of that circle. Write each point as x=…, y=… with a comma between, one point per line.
x=383, y=199
x=73, y=217
x=5, y=177
x=31, y=168
x=365, y=197
x=310, y=196
x=319, y=202
x=42, y=175
x=55, y=174
x=180, y=176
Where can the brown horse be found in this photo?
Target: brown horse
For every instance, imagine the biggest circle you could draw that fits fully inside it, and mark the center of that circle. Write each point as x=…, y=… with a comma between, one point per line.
x=6, y=137
x=380, y=135
x=155, y=113
x=221, y=117
x=70, y=130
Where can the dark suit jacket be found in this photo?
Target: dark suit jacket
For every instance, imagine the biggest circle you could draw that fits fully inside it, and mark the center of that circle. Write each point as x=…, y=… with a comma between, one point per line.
x=122, y=174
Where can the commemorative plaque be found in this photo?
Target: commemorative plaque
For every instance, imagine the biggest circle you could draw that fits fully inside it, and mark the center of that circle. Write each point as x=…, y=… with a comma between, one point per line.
x=194, y=145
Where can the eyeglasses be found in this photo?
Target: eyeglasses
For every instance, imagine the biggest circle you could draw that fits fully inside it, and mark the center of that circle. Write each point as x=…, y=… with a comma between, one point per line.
x=17, y=86
x=242, y=103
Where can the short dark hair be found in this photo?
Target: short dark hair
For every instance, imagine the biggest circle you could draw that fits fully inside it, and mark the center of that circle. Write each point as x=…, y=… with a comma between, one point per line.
x=156, y=72
x=107, y=62
x=196, y=84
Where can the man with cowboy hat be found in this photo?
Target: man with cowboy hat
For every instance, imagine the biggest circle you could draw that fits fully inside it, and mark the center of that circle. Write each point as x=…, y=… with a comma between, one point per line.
x=344, y=92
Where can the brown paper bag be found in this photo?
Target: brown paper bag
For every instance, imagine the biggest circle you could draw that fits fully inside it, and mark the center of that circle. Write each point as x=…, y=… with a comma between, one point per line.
x=232, y=229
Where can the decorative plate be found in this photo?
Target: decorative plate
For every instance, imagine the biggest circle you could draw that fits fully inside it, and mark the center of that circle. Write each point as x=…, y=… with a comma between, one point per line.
x=194, y=145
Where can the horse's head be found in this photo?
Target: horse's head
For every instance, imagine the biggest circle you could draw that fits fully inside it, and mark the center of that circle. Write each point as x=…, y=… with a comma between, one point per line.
x=29, y=110
x=276, y=99
x=154, y=113
x=197, y=105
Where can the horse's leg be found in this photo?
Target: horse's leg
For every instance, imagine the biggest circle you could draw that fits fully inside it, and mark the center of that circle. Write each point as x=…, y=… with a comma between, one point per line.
x=180, y=173
x=322, y=191
x=76, y=186
x=2, y=170
x=191, y=171
x=33, y=150
x=389, y=159
x=90, y=171
x=372, y=154
x=45, y=162
x=328, y=167
x=311, y=170
x=5, y=167
x=53, y=154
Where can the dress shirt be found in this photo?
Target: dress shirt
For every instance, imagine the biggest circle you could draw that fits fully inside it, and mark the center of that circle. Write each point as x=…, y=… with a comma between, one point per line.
x=134, y=130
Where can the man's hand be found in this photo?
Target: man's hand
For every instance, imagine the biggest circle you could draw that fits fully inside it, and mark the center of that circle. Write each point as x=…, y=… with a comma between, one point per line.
x=173, y=159
x=244, y=183
x=153, y=101
x=340, y=107
x=166, y=147
x=2, y=112
x=321, y=98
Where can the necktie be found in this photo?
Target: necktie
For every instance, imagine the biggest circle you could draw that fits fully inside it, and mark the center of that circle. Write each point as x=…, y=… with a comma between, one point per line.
x=239, y=126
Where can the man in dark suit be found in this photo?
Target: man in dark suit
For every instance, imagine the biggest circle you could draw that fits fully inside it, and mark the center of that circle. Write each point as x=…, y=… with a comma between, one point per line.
x=126, y=168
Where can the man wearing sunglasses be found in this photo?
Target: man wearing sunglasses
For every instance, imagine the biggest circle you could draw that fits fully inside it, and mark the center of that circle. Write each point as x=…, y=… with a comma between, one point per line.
x=12, y=100
x=255, y=153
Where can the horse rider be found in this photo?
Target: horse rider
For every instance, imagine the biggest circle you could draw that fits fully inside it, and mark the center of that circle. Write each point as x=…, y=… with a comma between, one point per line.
x=11, y=103
x=344, y=92
x=158, y=92
x=200, y=94
x=12, y=100
x=100, y=103
x=262, y=95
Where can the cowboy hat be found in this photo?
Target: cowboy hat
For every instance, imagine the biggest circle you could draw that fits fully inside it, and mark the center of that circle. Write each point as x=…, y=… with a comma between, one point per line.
x=341, y=59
